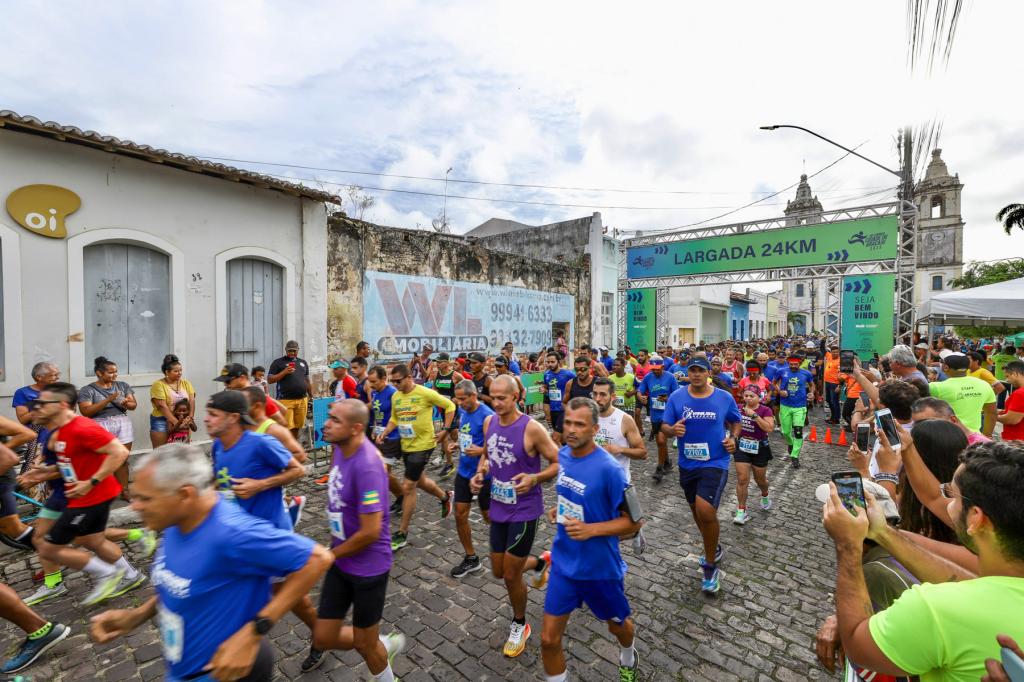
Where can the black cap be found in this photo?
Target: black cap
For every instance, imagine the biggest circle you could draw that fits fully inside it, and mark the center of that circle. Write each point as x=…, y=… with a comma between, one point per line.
x=500, y=360
x=477, y=357
x=443, y=356
x=231, y=401
x=232, y=371
x=957, y=361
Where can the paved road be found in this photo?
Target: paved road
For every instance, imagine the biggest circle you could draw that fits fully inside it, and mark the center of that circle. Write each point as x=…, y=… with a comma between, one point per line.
x=777, y=589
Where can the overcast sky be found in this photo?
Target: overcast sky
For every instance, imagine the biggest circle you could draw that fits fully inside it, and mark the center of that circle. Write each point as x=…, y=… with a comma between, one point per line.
x=626, y=96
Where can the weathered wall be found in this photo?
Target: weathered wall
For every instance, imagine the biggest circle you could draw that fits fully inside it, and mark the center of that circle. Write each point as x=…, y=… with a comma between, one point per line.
x=564, y=242
x=355, y=247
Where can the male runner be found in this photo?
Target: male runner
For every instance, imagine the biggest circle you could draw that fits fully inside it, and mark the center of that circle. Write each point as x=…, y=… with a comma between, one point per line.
x=358, y=371
x=40, y=635
x=478, y=370
x=625, y=387
x=357, y=512
x=555, y=380
x=443, y=378
x=705, y=421
x=469, y=441
x=381, y=392
x=412, y=409
x=640, y=370
x=14, y=532
x=515, y=444
x=212, y=573
x=258, y=403
x=796, y=389
x=654, y=392
x=592, y=512
x=87, y=457
x=581, y=385
x=236, y=378
x=501, y=366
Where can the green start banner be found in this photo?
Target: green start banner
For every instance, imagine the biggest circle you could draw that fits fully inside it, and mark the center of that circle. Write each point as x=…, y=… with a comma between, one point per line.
x=849, y=241
x=641, y=325
x=533, y=383
x=867, y=314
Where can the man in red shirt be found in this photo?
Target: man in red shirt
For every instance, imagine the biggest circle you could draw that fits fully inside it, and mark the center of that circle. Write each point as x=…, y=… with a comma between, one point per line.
x=1012, y=417
x=87, y=457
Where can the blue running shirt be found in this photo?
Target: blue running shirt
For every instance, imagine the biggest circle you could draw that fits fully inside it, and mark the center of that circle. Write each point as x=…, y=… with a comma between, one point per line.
x=796, y=383
x=556, y=382
x=255, y=455
x=705, y=427
x=658, y=389
x=471, y=432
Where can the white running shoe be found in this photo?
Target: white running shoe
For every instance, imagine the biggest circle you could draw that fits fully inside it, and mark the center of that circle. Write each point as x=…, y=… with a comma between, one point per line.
x=394, y=643
x=45, y=593
x=766, y=503
x=103, y=588
x=741, y=517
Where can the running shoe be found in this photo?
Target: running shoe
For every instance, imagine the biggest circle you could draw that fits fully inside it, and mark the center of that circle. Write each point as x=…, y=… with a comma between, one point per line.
x=295, y=509
x=627, y=673
x=103, y=588
x=323, y=479
x=446, y=505
x=659, y=473
x=45, y=593
x=313, y=661
x=712, y=580
x=667, y=467
x=741, y=517
x=127, y=584
x=39, y=576
x=394, y=643
x=540, y=578
x=639, y=543
x=148, y=542
x=398, y=541
x=470, y=564
x=719, y=555
x=766, y=503
x=396, y=506
x=517, y=636
x=795, y=461
x=31, y=649
x=447, y=471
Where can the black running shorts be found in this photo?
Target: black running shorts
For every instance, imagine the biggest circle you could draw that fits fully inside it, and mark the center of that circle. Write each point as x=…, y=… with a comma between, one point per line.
x=76, y=522
x=515, y=538
x=364, y=595
x=463, y=494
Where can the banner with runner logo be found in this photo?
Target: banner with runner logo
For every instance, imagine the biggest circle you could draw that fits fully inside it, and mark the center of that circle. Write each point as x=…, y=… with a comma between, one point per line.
x=402, y=313
x=641, y=322
x=869, y=304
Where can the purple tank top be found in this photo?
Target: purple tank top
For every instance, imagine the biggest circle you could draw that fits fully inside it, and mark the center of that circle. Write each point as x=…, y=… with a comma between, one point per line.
x=507, y=457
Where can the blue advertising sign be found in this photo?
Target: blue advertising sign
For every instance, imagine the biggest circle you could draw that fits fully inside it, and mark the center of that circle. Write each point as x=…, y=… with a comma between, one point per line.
x=321, y=406
x=402, y=313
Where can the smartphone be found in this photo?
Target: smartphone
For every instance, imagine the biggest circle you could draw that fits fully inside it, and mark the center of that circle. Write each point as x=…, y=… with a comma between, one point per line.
x=1012, y=664
x=865, y=399
x=850, y=487
x=887, y=423
x=863, y=431
x=846, y=360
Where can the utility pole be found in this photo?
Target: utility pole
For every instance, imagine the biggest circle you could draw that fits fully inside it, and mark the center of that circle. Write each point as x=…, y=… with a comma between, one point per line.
x=444, y=207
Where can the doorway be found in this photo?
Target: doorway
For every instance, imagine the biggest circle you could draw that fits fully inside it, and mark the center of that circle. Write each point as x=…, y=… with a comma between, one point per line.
x=255, y=311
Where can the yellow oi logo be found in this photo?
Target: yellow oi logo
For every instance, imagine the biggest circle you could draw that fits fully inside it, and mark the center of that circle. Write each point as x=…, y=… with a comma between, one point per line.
x=43, y=208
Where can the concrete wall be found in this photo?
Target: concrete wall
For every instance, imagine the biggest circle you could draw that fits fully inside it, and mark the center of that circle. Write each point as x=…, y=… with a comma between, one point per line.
x=355, y=247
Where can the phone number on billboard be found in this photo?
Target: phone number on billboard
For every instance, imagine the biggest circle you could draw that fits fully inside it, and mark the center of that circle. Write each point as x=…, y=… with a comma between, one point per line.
x=514, y=312
x=531, y=338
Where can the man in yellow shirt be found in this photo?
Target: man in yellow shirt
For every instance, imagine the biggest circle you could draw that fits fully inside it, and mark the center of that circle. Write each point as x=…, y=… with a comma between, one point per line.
x=412, y=410
x=977, y=369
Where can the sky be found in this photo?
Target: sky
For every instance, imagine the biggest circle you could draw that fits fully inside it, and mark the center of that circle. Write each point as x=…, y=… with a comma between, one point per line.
x=662, y=99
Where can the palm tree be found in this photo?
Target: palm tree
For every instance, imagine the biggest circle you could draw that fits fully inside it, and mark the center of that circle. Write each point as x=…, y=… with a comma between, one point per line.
x=1011, y=215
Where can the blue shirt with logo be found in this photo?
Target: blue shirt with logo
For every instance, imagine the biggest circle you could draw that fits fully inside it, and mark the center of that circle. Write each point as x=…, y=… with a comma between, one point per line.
x=796, y=384
x=726, y=378
x=213, y=580
x=471, y=431
x=706, y=418
x=380, y=410
x=589, y=488
x=658, y=389
x=254, y=455
x=556, y=381
x=513, y=367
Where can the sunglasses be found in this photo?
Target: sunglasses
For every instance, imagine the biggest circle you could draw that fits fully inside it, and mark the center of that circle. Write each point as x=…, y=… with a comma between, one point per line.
x=949, y=493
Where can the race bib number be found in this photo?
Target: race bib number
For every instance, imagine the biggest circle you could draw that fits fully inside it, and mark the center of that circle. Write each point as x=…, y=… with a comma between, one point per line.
x=337, y=525
x=619, y=401
x=172, y=634
x=378, y=431
x=555, y=395
x=659, y=403
x=406, y=431
x=750, y=446
x=465, y=441
x=503, y=491
x=569, y=510
x=67, y=470
x=698, y=452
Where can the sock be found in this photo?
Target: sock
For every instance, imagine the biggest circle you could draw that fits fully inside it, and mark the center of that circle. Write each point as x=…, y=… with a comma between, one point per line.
x=41, y=632
x=540, y=564
x=741, y=509
x=387, y=675
x=560, y=677
x=519, y=621
x=627, y=656
x=97, y=568
x=26, y=535
x=51, y=580
x=134, y=534
x=129, y=570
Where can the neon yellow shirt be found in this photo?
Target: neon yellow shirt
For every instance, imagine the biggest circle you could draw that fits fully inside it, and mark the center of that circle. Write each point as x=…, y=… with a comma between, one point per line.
x=967, y=396
x=413, y=412
x=999, y=362
x=945, y=631
x=623, y=384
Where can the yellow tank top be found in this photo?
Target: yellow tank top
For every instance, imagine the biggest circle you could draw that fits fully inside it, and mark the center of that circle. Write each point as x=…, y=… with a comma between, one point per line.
x=262, y=428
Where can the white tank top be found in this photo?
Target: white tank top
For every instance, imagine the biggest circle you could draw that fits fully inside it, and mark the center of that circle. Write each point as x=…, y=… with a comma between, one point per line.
x=609, y=431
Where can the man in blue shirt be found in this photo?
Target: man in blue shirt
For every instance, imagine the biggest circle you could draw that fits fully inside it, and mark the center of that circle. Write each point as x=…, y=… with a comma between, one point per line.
x=654, y=391
x=586, y=566
x=381, y=393
x=796, y=389
x=508, y=351
x=212, y=572
x=605, y=358
x=468, y=440
x=555, y=379
x=705, y=422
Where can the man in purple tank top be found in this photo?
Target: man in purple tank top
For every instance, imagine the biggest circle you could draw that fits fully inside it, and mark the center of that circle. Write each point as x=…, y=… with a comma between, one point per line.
x=515, y=444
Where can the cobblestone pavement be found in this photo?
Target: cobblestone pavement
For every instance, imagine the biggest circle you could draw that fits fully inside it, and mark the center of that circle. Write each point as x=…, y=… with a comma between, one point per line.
x=777, y=589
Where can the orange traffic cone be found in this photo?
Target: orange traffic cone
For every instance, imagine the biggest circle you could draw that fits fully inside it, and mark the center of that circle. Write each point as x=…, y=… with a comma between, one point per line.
x=842, y=438
x=828, y=435
x=813, y=438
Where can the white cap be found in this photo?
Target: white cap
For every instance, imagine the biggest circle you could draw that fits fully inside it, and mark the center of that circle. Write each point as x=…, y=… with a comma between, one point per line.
x=945, y=353
x=882, y=497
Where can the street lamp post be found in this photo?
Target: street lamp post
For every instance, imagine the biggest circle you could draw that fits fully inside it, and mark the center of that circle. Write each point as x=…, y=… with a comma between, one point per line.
x=444, y=207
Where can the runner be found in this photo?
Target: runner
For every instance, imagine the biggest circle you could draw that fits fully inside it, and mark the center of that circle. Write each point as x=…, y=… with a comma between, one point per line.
x=625, y=388
x=419, y=366
x=796, y=389
x=640, y=370
x=212, y=573
x=705, y=422
x=360, y=544
x=469, y=441
x=502, y=367
x=444, y=379
x=555, y=379
x=753, y=450
x=515, y=445
x=358, y=372
x=412, y=408
x=654, y=392
x=40, y=635
x=235, y=377
x=343, y=386
x=15, y=533
x=581, y=385
x=258, y=403
x=755, y=377
x=477, y=363
x=593, y=510
x=381, y=393
x=87, y=457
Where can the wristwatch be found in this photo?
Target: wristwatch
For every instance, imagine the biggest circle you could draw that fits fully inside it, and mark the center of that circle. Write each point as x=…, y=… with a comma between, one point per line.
x=262, y=625
x=94, y=481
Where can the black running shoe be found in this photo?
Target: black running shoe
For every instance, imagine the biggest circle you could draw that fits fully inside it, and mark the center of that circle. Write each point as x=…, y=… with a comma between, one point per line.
x=470, y=564
x=396, y=506
x=659, y=472
x=313, y=660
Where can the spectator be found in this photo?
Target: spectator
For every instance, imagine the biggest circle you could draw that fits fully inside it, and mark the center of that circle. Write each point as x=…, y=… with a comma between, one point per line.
x=971, y=398
x=897, y=396
x=108, y=401
x=831, y=377
x=164, y=394
x=43, y=373
x=291, y=374
x=977, y=369
x=1010, y=418
x=903, y=364
x=259, y=378
x=933, y=408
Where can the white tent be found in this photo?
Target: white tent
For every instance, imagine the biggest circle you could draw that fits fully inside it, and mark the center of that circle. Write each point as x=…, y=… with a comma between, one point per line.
x=993, y=305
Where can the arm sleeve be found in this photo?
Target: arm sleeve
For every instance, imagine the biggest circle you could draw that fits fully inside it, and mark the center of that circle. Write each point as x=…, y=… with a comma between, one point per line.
x=258, y=548
x=126, y=389
x=156, y=391
x=85, y=395
x=187, y=385
x=908, y=634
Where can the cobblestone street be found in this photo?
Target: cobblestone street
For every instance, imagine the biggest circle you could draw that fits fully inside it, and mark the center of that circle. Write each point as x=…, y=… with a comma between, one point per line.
x=777, y=589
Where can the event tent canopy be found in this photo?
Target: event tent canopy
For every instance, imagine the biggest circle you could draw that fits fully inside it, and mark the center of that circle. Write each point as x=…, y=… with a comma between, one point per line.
x=993, y=305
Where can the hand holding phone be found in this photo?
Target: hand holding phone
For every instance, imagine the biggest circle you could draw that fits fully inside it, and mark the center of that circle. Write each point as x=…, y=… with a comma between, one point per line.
x=850, y=487
x=887, y=423
x=863, y=433
x=846, y=360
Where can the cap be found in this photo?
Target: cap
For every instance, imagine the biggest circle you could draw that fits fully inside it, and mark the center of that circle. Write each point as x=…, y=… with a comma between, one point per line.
x=477, y=357
x=699, y=362
x=922, y=346
x=338, y=364
x=603, y=349
x=291, y=345
x=428, y=347
x=956, y=361
x=443, y=356
x=231, y=401
x=811, y=344
x=232, y=371
x=500, y=360
x=656, y=360
x=882, y=497
x=945, y=353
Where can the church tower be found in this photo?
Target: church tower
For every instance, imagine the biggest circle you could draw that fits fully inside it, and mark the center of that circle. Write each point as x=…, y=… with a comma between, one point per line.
x=806, y=299
x=940, y=245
